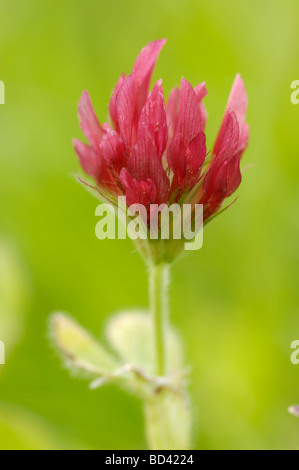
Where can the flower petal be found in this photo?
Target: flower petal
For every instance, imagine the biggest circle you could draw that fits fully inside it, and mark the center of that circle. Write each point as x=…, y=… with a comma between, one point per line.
x=112, y=103
x=176, y=157
x=125, y=107
x=224, y=175
x=222, y=179
x=214, y=188
x=243, y=138
x=93, y=164
x=113, y=149
x=172, y=110
x=228, y=138
x=234, y=176
x=89, y=158
x=187, y=151
x=144, y=163
x=201, y=91
x=186, y=160
x=153, y=118
x=237, y=102
x=138, y=192
x=132, y=92
x=88, y=121
x=190, y=122
x=143, y=69
x=196, y=153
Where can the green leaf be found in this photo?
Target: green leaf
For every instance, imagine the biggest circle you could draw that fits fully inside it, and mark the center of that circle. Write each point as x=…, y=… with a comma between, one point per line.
x=131, y=334
x=79, y=349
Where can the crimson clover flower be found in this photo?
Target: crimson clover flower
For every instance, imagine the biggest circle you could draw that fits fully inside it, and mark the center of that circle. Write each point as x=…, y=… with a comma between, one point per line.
x=155, y=153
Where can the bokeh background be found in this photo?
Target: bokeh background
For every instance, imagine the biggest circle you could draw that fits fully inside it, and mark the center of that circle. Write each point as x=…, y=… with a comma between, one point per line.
x=236, y=301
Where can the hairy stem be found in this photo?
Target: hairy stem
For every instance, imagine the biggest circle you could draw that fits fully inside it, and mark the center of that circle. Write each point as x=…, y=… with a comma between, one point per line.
x=158, y=283
x=168, y=421
x=167, y=412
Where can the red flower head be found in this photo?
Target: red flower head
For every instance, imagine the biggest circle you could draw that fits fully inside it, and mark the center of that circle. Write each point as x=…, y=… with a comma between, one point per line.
x=153, y=153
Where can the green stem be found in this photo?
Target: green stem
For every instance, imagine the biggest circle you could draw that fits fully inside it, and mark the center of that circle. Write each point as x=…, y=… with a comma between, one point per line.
x=158, y=283
x=168, y=420
x=167, y=412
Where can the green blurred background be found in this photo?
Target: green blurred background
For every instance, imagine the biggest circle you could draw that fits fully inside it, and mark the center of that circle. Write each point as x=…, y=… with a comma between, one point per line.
x=236, y=301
